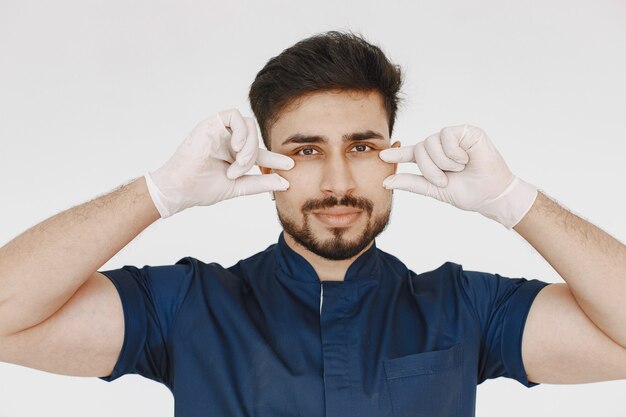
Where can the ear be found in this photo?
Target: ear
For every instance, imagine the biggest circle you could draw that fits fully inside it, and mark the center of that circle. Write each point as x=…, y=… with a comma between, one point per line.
x=396, y=144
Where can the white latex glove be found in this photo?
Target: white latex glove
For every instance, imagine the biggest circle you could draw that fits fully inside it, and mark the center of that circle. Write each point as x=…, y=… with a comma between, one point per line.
x=201, y=172
x=476, y=177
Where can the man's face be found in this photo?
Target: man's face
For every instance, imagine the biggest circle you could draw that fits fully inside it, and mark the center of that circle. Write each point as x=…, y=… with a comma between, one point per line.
x=334, y=174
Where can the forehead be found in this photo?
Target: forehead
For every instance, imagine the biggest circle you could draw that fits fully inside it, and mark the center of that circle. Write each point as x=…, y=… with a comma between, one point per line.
x=331, y=113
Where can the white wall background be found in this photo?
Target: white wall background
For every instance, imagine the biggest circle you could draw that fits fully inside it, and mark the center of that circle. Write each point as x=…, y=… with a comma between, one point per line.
x=95, y=93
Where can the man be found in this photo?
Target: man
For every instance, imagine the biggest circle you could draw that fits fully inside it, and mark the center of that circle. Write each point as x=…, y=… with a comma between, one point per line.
x=322, y=322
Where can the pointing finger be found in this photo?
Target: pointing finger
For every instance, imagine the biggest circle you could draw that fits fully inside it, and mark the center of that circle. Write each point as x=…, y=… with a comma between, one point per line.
x=273, y=160
x=402, y=154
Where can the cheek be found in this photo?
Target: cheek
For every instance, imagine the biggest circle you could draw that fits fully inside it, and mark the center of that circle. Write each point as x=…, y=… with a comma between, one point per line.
x=377, y=193
x=375, y=171
x=298, y=176
x=301, y=182
x=294, y=174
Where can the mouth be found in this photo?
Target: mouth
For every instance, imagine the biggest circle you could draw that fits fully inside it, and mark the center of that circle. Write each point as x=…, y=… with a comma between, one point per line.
x=338, y=217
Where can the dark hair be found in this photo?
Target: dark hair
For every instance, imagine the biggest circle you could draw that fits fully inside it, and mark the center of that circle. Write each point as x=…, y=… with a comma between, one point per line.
x=326, y=61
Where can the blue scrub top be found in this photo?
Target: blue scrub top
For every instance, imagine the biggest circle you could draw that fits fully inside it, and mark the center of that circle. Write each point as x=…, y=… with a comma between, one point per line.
x=265, y=337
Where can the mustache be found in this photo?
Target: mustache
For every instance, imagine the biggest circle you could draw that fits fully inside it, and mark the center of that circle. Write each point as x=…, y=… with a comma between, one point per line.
x=331, y=201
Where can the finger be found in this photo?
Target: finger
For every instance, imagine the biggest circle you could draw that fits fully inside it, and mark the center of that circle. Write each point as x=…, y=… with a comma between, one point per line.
x=255, y=184
x=233, y=120
x=451, y=138
x=244, y=160
x=394, y=155
x=436, y=152
x=411, y=182
x=246, y=157
x=428, y=168
x=273, y=160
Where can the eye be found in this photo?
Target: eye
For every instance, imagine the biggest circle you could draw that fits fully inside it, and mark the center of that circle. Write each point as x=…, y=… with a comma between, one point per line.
x=305, y=149
x=361, y=146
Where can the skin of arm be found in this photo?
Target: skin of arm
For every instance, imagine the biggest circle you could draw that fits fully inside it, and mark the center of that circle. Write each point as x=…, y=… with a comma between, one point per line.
x=44, y=266
x=592, y=263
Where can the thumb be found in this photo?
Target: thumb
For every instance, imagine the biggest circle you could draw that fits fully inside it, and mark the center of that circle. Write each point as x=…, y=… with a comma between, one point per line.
x=255, y=184
x=411, y=182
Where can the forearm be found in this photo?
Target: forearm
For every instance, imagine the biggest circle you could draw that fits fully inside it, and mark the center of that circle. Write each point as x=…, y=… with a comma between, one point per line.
x=591, y=262
x=44, y=266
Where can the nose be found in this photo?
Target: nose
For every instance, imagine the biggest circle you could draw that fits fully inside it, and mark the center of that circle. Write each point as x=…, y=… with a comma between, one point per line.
x=337, y=176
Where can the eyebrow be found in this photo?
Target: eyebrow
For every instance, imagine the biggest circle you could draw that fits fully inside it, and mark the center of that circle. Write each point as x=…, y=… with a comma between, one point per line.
x=348, y=137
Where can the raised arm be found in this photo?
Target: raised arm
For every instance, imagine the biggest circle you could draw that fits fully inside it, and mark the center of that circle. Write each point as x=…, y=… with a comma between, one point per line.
x=43, y=267
x=57, y=313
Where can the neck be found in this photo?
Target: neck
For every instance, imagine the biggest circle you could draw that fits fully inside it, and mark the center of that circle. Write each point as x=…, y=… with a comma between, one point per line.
x=326, y=269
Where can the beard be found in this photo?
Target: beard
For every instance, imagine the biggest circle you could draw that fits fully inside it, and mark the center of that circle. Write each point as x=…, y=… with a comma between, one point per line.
x=336, y=248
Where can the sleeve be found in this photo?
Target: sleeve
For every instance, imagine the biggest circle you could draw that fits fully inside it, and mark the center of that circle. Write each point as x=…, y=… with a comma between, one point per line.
x=501, y=305
x=151, y=297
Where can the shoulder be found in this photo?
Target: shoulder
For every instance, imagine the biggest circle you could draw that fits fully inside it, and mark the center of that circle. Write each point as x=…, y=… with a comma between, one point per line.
x=443, y=280
x=434, y=277
x=259, y=261
x=214, y=273
x=445, y=277
x=391, y=262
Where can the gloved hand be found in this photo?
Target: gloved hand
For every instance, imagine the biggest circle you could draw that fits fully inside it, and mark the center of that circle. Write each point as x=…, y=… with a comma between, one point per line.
x=201, y=172
x=476, y=177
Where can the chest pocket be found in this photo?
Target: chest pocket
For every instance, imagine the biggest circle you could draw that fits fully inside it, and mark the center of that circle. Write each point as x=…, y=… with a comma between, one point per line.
x=426, y=384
